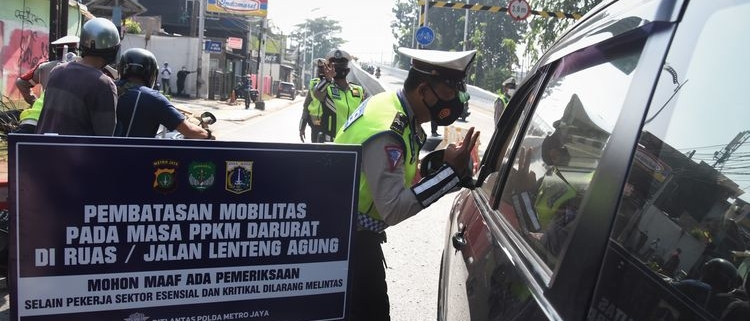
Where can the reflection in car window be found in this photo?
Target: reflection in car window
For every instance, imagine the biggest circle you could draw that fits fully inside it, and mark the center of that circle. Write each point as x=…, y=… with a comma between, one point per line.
x=684, y=212
x=561, y=147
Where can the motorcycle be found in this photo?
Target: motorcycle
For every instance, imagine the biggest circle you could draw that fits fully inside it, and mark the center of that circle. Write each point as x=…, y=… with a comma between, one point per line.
x=205, y=119
x=246, y=93
x=465, y=113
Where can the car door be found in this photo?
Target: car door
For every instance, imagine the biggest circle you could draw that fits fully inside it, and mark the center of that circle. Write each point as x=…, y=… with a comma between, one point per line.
x=541, y=167
x=682, y=211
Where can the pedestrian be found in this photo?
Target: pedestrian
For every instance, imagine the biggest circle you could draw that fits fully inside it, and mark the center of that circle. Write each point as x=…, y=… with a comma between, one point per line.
x=65, y=51
x=508, y=89
x=166, y=74
x=388, y=127
x=338, y=96
x=140, y=108
x=80, y=99
x=181, y=76
x=672, y=264
x=652, y=247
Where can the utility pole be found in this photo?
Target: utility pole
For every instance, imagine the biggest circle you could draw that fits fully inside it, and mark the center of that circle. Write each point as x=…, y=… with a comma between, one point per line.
x=260, y=104
x=201, y=26
x=724, y=154
x=58, y=23
x=466, y=27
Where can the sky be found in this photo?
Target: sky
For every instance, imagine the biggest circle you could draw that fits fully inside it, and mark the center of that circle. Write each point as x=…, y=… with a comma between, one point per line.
x=365, y=24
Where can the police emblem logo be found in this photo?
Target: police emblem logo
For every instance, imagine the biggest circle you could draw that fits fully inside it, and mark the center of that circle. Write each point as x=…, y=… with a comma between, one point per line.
x=137, y=317
x=201, y=175
x=165, y=180
x=239, y=176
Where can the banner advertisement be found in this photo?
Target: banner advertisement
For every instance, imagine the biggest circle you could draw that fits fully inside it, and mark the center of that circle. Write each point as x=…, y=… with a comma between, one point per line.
x=241, y=7
x=155, y=229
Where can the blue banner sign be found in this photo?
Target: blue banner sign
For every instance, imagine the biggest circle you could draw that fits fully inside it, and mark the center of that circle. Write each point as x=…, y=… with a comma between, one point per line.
x=212, y=46
x=150, y=229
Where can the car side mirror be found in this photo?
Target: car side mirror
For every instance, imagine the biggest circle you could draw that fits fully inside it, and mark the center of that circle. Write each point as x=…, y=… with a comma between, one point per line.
x=431, y=162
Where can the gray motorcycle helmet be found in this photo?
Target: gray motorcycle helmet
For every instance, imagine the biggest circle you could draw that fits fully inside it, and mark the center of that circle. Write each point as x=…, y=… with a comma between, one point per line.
x=99, y=37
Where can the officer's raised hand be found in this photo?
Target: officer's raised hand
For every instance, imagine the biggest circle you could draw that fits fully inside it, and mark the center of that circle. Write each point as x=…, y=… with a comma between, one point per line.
x=458, y=156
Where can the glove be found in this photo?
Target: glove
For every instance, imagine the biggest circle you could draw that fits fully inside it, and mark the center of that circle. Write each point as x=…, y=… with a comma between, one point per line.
x=302, y=135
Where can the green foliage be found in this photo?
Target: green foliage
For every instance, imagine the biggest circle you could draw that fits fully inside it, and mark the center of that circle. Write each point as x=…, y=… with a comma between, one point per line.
x=404, y=25
x=132, y=26
x=324, y=35
x=496, y=37
x=544, y=31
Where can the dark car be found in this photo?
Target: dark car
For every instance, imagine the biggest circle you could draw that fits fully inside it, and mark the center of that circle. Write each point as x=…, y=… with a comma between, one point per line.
x=286, y=89
x=613, y=187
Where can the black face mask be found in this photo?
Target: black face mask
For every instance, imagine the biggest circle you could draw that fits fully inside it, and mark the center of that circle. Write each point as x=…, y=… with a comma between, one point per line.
x=445, y=112
x=341, y=73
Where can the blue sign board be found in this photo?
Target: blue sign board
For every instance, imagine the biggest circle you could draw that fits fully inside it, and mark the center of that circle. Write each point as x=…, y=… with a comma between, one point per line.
x=425, y=35
x=212, y=46
x=152, y=229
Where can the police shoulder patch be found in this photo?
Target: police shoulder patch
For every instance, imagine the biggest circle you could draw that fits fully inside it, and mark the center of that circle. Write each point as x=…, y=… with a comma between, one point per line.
x=399, y=123
x=356, y=92
x=394, y=154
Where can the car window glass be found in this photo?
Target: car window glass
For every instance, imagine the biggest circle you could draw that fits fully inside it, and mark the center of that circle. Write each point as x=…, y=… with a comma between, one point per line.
x=684, y=212
x=561, y=147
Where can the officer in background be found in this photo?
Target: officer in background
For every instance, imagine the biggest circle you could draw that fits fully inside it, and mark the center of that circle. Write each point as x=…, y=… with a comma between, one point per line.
x=65, y=51
x=509, y=88
x=141, y=109
x=388, y=126
x=338, y=96
x=312, y=109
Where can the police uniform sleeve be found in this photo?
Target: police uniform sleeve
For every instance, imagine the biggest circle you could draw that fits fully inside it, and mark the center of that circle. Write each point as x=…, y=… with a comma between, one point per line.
x=385, y=178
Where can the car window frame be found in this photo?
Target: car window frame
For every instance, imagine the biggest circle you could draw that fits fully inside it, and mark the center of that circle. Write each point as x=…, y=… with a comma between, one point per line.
x=546, y=285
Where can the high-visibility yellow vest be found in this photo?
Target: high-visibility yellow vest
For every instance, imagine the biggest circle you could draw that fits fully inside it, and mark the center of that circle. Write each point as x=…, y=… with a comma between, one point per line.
x=381, y=113
x=346, y=102
x=31, y=115
x=315, y=108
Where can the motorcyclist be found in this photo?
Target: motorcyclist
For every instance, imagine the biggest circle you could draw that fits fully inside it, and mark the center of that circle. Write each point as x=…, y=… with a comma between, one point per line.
x=377, y=72
x=140, y=108
x=718, y=277
x=80, y=99
x=244, y=90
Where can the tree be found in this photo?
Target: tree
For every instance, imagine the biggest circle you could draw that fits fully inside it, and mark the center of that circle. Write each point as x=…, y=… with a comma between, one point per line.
x=488, y=32
x=132, y=26
x=544, y=31
x=403, y=27
x=322, y=33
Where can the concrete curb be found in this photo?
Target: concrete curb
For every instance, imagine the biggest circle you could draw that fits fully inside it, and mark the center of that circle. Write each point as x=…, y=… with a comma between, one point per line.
x=225, y=112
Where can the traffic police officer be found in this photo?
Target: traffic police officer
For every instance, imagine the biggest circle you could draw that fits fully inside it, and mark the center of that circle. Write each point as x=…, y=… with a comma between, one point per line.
x=388, y=126
x=312, y=109
x=65, y=49
x=339, y=97
x=509, y=88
